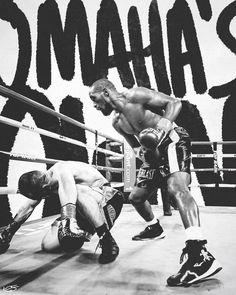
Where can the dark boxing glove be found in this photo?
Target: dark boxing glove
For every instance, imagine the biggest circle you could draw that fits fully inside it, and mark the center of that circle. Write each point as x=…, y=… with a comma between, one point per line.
x=6, y=235
x=151, y=138
x=70, y=236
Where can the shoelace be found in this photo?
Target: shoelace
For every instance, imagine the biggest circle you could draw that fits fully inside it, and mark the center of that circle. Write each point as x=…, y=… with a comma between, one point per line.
x=99, y=242
x=146, y=229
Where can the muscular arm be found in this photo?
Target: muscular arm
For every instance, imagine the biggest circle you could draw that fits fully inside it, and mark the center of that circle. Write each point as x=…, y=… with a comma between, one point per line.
x=130, y=138
x=63, y=174
x=172, y=106
x=154, y=101
x=25, y=211
x=132, y=141
x=161, y=125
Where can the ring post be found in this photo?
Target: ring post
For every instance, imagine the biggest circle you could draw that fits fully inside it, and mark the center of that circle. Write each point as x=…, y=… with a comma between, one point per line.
x=215, y=162
x=129, y=168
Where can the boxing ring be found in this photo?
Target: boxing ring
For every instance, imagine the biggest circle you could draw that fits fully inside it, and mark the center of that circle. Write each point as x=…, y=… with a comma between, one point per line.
x=142, y=267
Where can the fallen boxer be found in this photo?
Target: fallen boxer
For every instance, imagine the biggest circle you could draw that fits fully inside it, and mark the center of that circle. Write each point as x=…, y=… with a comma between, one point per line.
x=88, y=205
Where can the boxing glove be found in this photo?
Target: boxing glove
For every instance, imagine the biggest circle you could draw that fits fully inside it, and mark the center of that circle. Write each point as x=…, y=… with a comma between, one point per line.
x=70, y=236
x=6, y=235
x=151, y=138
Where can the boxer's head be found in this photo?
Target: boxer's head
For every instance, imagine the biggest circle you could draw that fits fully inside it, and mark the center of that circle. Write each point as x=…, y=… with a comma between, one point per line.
x=32, y=185
x=102, y=93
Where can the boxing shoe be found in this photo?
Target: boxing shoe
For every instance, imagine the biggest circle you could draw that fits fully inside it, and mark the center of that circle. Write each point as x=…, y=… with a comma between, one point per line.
x=110, y=249
x=154, y=231
x=70, y=236
x=197, y=264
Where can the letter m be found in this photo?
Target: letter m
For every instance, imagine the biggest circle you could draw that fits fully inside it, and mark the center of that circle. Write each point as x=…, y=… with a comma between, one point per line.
x=51, y=32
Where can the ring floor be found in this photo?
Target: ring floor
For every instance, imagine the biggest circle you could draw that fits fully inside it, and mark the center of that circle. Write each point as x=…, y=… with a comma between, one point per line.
x=141, y=268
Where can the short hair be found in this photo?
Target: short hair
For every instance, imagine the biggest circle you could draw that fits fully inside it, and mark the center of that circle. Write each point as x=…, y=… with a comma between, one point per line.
x=100, y=84
x=30, y=184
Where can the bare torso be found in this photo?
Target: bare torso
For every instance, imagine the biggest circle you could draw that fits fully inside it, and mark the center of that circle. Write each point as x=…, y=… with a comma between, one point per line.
x=83, y=173
x=88, y=175
x=134, y=118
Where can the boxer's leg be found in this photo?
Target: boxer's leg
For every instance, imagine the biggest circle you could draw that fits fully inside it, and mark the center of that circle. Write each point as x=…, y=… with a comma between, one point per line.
x=153, y=230
x=196, y=262
x=89, y=203
x=113, y=207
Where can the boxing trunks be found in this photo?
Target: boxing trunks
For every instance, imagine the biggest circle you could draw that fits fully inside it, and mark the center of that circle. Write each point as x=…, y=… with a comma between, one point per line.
x=175, y=155
x=111, y=203
x=110, y=207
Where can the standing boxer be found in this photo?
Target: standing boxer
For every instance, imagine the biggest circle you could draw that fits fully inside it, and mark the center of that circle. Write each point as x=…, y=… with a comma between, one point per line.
x=97, y=207
x=145, y=118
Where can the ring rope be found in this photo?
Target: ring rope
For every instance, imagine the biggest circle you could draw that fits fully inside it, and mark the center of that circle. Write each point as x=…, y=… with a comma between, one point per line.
x=212, y=142
x=215, y=185
x=227, y=169
x=8, y=190
x=212, y=169
x=31, y=158
x=47, y=133
x=202, y=169
x=23, y=157
x=202, y=155
x=27, y=158
x=22, y=98
x=212, y=156
x=5, y=190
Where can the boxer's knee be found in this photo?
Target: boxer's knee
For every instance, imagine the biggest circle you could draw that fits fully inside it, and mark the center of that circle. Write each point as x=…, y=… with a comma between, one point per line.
x=138, y=196
x=179, y=194
x=177, y=185
x=178, y=189
x=50, y=244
